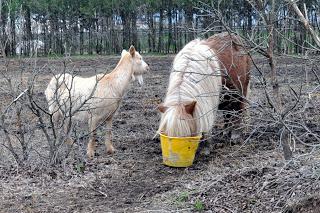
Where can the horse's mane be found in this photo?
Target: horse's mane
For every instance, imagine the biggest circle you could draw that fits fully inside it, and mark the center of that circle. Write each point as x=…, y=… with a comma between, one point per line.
x=195, y=76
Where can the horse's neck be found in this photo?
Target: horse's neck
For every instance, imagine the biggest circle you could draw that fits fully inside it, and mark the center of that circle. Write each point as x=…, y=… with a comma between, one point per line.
x=121, y=76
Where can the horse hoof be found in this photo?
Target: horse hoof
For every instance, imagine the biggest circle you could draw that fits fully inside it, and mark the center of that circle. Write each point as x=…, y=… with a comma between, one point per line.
x=205, y=152
x=90, y=154
x=111, y=151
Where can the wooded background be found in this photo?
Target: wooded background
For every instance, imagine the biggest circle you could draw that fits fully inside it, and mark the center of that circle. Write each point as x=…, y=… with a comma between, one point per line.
x=163, y=26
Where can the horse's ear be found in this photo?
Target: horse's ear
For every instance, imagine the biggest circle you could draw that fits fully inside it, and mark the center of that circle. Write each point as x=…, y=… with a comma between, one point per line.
x=132, y=50
x=162, y=108
x=190, y=107
x=123, y=52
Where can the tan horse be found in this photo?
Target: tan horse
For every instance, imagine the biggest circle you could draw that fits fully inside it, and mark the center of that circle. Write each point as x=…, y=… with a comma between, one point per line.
x=97, y=98
x=199, y=71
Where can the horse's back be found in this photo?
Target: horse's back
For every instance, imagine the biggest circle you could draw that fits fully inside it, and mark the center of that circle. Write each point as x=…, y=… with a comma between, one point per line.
x=60, y=81
x=64, y=86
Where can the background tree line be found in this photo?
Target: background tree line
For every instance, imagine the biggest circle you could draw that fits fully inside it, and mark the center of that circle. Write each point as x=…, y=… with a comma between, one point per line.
x=163, y=26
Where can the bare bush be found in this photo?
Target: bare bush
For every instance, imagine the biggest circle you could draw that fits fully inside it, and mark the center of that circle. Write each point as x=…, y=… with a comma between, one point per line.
x=29, y=130
x=285, y=109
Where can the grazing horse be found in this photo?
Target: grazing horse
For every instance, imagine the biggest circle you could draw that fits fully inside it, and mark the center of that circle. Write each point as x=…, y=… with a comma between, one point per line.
x=192, y=98
x=198, y=73
x=97, y=98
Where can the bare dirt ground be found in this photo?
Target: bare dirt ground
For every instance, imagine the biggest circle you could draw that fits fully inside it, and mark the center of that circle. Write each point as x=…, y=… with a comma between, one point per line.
x=248, y=177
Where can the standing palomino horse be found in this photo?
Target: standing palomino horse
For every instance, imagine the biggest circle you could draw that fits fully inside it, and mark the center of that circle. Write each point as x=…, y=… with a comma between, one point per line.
x=203, y=72
x=97, y=98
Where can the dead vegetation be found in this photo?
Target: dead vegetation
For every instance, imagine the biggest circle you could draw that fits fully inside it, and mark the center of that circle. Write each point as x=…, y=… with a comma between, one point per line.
x=226, y=177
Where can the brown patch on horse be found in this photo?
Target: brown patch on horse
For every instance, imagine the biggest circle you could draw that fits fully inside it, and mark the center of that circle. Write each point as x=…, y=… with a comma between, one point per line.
x=234, y=61
x=162, y=108
x=235, y=64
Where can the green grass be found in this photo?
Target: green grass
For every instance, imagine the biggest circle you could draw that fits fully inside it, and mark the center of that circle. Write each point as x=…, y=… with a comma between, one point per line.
x=80, y=167
x=198, y=206
x=183, y=197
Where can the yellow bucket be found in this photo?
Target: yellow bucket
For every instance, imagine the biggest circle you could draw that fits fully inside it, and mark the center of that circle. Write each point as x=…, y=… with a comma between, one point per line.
x=179, y=151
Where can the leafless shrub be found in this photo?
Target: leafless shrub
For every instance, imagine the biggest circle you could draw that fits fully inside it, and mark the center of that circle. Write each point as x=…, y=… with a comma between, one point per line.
x=28, y=128
x=287, y=110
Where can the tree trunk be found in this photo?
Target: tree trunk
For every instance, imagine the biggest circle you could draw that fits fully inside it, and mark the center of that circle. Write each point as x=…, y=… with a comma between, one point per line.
x=65, y=40
x=81, y=38
x=90, y=38
x=179, y=34
x=169, y=25
x=271, y=59
x=54, y=23
x=149, y=20
x=249, y=15
x=28, y=33
x=109, y=43
x=13, y=33
x=74, y=36
x=105, y=36
x=189, y=18
x=125, y=30
x=44, y=35
x=134, y=36
x=270, y=52
x=151, y=33
x=115, y=39
x=305, y=22
x=160, y=42
x=175, y=35
x=98, y=34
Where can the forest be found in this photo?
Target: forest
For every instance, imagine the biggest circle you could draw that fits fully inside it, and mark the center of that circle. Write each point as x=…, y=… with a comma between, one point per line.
x=159, y=26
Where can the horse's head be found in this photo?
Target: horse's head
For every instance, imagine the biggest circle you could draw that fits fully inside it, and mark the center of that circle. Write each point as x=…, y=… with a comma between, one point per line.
x=177, y=120
x=139, y=66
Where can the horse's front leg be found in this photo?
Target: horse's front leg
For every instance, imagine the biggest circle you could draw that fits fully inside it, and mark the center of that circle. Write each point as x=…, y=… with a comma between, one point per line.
x=109, y=147
x=92, y=138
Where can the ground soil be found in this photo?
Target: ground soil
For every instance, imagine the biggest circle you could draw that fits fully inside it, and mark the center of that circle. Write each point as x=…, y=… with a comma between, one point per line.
x=225, y=177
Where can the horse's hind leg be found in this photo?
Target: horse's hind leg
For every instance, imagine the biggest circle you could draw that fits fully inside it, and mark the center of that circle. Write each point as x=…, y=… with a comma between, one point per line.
x=238, y=118
x=232, y=111
x=108, y=142
x=242, y=119
x=227, y=105
x=92, y=138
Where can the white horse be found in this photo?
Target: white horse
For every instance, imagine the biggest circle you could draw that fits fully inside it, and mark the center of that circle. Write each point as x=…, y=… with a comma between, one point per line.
x=192, y=98
x=97, y=98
